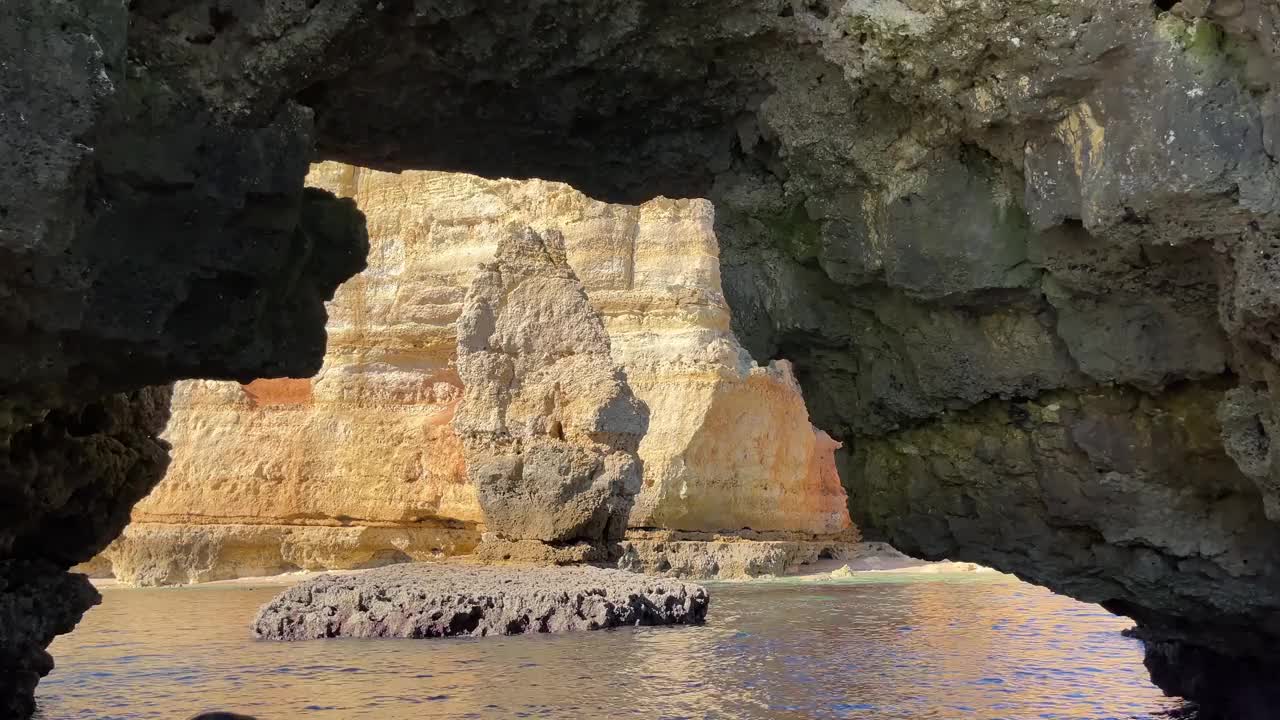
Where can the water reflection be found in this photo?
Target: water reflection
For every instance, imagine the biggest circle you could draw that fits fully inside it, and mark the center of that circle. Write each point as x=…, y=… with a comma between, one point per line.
x=984, y=647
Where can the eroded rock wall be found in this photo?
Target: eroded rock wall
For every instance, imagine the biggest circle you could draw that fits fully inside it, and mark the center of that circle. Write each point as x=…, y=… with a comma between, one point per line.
x=883, y=171
x=68, y=482
x=1033, y=308
x=147, y=234
x=548, y=422
x=372, y=461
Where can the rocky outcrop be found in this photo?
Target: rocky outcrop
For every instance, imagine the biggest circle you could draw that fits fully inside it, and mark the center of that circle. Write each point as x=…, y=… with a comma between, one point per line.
x=1226, y=686
x=619, y=337
x=69, y=481
x=146, y=235
x=729, y=556
x=158, y=553
x=433, y=601
x=548, y=423
x=941, y=212
x=1026, y=321
x=1091, y=457
x=1024, y=338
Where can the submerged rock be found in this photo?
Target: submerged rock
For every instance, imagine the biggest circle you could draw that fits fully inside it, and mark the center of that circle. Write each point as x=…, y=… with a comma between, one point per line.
x=429, y=601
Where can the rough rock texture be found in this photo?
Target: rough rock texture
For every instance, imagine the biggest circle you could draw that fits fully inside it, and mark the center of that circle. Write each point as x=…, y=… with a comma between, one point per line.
x=1071, y=465
x=355, y=467
x=937, y=210
x=1024, y=311
x=366, y=442
x=155, y=553
x=68, y=483
x=727, y=556
x=1226, y=686
x=39, y=601
x=361, y=466
x=549, y=425
x=728, y=444
x=148, y=232
x=431, y=601
x=498, y=550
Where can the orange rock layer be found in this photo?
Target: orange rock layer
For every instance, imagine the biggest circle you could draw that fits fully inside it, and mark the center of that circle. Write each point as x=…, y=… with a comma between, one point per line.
x=361, y=465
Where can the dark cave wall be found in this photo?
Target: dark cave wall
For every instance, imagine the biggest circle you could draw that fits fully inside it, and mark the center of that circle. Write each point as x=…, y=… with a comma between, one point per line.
x=69, y=481
x=1022, y=253
x=146, y=235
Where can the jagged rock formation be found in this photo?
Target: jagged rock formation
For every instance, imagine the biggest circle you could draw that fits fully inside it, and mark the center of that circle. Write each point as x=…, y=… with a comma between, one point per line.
x=364, y=464
x=146, y=235
x=729, y=555
x=68, y=482
x=1026, y=313
x=948, y=215
x=548, y=423
x=433, y=601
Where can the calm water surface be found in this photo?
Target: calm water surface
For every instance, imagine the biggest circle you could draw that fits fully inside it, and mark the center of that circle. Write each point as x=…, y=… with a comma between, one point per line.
x=960, y=647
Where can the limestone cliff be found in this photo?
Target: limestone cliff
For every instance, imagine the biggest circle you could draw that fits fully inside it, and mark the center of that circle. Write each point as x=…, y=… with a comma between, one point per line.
x=620, y=336
x=356, y=466
x=949, y=216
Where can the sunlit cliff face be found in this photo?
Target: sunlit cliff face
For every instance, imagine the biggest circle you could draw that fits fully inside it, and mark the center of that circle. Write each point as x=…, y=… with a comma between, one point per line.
x=362, y=465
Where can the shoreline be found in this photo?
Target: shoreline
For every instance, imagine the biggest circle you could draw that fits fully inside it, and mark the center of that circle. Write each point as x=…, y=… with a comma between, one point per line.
x=839, y=572
x=874, y=562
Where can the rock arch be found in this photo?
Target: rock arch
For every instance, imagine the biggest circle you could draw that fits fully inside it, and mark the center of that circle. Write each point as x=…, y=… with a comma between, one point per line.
x=972, y=222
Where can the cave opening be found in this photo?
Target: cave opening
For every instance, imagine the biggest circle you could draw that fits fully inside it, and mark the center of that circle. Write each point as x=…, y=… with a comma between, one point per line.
x=1020, y=373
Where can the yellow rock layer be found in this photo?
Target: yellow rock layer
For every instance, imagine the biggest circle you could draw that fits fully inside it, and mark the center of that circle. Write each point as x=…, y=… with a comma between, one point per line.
x=368, y=442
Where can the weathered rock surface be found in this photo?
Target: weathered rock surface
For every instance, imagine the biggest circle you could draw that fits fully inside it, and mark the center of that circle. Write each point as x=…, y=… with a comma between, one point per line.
x=936, y=210
x=361, y=465
x=147, y=233
x=156, y=553
x=364, y=443
x=1025, y=312
x=68, y=482
x=728, y=444
x=1226, y=686
x=355, y=467
x=431, y=601
x=548, y=423
x=728, y=557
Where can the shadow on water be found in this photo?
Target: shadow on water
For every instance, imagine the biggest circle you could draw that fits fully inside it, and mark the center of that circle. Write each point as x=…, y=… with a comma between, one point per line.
x=976, y=647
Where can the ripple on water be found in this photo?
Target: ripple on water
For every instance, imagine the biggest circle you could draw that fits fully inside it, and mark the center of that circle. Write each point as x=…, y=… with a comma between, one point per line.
x=868, y=651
